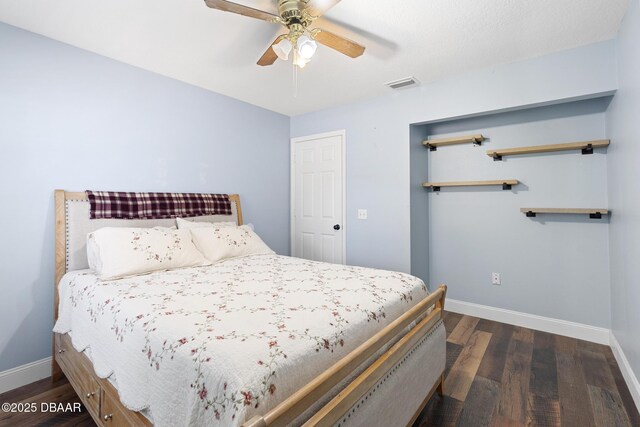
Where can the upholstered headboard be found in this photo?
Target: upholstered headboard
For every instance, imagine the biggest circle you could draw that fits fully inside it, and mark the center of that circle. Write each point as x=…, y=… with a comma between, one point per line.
x=73, y=224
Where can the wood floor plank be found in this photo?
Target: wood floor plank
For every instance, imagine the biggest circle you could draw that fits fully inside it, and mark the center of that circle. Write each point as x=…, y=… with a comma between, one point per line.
x=451, y=321
x=62, y=394
x=591, y=346
x=543, y=381
x=501, y=421
x=596, y=369
x=523, y=334
x=513, y=401
x=478, y=408
x=575, y=405
x=463, y=330
x=492, y=365
x=565, y=345
x=453, y=352
x=623, y=389
x=460, y=378
x=29, y=390
x=542, y=411
x=608, y=409
x=81, y=421
x=486, y=325
x=55, y=394
x=441, y=411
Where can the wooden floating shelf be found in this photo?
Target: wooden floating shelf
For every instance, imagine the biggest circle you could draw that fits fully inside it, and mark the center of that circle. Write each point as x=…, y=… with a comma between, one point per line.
x=505, y=183
x=433, y=144
x=586, y=148
x=593, y=213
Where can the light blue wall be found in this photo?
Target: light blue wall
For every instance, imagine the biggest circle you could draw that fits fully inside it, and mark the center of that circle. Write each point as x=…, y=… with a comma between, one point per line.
x=74, y=120
x=624, y=191
x=419, y=160
x=378, y=135
x=379, y=173
x=476, y=231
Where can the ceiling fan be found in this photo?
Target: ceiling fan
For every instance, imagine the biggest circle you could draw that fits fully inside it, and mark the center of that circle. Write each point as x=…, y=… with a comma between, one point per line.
x=297, y=16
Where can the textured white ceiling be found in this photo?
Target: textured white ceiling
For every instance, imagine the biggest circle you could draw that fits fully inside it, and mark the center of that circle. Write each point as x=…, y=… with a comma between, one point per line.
x=429, y=39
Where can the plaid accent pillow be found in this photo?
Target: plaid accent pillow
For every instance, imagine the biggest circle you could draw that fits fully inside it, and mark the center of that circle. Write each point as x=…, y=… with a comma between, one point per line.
x=118, y=205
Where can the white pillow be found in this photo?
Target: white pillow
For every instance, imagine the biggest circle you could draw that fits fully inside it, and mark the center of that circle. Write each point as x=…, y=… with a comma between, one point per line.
x=185, y=224
x=119, y=252
x=93, y=252
x=222, y=242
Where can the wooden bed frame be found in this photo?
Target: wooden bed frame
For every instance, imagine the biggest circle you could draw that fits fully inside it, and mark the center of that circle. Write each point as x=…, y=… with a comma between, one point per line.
x=101, y=398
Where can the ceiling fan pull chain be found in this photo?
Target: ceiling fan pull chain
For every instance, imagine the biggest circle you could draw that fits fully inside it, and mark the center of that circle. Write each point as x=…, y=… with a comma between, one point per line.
x=295, y=79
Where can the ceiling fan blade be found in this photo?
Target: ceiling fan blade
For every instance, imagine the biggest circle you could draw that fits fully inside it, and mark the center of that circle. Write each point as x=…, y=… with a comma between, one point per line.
x=342, y=45
x=318, y=8
x=228, y=6
x=269, y=57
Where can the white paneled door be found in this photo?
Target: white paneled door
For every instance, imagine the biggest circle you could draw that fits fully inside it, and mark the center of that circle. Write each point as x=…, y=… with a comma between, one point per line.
x=318, y=229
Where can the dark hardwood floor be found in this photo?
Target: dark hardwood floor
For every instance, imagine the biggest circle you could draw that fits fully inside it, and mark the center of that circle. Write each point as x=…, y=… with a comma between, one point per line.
x=503, y=375
x=497, y=375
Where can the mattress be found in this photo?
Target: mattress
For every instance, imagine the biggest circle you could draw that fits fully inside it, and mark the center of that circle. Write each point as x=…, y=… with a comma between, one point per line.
x=217, y=345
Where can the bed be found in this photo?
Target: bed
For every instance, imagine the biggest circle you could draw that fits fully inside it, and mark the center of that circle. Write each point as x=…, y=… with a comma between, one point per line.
x=319, y=344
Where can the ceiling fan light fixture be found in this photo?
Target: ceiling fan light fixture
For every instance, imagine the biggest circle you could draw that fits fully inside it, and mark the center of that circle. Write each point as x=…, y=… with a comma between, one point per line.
x=283, y=49
x=306, y=47
x=296, y=16
x=300, y=61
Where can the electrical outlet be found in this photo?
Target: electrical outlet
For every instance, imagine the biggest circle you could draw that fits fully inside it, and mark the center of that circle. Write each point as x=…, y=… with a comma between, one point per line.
x=362, y=214
x=495, y=279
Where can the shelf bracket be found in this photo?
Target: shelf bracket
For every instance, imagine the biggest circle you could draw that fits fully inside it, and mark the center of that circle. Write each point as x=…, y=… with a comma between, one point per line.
x=433, y=148
x=506, y=186
x=497, y=158
x=588, y=149
x=595, y=215
x=436, y=188
x=531, y=214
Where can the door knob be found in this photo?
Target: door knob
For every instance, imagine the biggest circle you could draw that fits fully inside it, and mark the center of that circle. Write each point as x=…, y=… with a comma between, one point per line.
x=336, y=227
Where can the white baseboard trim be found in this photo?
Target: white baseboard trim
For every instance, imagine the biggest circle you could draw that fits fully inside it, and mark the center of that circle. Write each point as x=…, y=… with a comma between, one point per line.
x=25, y=374
x=531, y=321
x=629, y=377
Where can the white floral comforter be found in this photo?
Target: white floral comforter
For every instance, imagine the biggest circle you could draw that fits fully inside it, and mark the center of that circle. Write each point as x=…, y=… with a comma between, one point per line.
x=217, y=345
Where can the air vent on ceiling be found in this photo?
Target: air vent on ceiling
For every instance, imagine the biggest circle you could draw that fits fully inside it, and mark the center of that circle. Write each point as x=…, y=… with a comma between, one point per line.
x=397, y=84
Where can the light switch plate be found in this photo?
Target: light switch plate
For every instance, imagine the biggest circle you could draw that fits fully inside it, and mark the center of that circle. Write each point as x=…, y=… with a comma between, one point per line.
x=496, y=279
x=362, y=214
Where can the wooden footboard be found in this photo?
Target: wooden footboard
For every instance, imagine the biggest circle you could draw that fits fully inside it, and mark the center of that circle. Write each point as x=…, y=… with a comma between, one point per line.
x=428, y=312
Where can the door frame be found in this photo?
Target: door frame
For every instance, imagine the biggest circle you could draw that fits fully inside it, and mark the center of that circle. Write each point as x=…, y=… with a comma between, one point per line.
x=343, y=134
